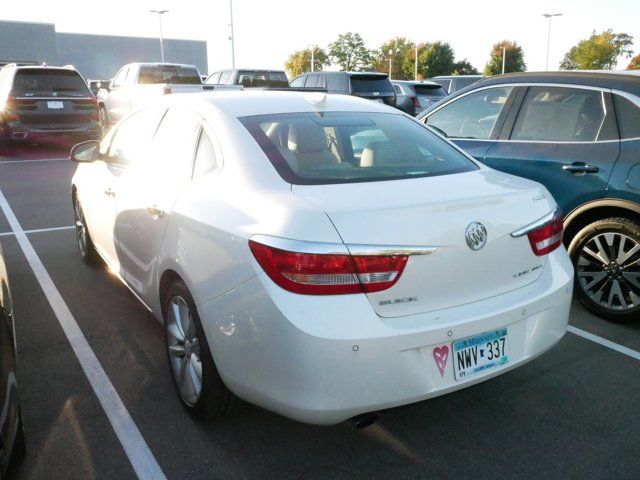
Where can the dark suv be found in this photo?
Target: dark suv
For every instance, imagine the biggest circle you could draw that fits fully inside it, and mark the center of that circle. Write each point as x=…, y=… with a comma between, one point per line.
x=578, y=133
x=370, y=85
x=38, y=102
x=415, y=97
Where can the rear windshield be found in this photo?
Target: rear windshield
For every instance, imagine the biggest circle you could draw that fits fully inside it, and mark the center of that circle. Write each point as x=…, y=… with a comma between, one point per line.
x=348, y=147
x=48, y=82
x=365, y=84
x=257, y=78
x=169, y=74
x=430, y=90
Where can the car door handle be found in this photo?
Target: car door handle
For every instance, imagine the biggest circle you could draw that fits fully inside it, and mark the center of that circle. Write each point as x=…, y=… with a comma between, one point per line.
x=109, y=192
x=579, y=167
x=155, y=211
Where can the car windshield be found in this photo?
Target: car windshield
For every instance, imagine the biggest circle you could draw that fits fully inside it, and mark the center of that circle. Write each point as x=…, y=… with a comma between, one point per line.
x=370, y=83
x=49, y=82
x=349, y=147
x=169, y=74
x=258, y=78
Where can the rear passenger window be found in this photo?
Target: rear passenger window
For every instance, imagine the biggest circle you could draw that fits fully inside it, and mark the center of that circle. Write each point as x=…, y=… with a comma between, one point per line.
x=336, y=83
x=312, y=81
x=397, y=89
x=560, y=114
x=628, y=114
x=175, y=142
x=206, y=160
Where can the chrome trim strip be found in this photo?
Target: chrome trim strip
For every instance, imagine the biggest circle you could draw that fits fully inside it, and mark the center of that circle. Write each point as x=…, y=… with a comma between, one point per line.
x=536, y=224
x=629, y=96
x=325, y=248
x=518, y=84
x=390, y=250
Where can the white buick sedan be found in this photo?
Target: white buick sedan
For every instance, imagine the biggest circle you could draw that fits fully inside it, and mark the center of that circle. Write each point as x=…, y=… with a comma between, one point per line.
x=320, y=256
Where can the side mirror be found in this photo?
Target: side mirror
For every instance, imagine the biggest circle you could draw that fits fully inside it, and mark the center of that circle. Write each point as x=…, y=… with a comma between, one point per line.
x=85, y=152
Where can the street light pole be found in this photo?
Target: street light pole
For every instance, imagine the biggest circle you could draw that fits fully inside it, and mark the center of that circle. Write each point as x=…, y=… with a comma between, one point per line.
x=415, y=65
x=390, y=62
x=312, y=48
x=233, y=50
x=549, y=16
x=160, y=13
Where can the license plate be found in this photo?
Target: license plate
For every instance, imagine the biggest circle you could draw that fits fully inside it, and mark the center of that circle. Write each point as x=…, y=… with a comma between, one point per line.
x=378, y=100
x=478, y=354
x=55, y=105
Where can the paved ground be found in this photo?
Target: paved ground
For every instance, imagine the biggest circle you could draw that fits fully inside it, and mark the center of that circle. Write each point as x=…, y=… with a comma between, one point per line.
x=572, y=413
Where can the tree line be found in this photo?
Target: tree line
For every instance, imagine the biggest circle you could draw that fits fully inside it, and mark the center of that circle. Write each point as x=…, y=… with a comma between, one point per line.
x=398, y=57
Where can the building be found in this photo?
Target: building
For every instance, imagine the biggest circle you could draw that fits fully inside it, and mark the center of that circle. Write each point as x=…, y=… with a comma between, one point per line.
x=95, y=56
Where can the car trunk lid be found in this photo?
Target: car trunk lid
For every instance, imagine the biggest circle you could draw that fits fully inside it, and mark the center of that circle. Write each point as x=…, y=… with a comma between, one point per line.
x=436, y=212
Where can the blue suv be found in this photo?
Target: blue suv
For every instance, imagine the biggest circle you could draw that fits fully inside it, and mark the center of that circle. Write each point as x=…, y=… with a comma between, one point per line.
x=578, y=133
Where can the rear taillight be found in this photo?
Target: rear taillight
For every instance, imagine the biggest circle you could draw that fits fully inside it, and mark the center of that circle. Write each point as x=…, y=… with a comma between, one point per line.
x=548, y=237
x=328, y=274
x=416, y=103
x=7, y=109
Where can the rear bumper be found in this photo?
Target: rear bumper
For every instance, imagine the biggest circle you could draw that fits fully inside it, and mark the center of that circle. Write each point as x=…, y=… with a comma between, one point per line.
x=18, y=132
x=323, y=360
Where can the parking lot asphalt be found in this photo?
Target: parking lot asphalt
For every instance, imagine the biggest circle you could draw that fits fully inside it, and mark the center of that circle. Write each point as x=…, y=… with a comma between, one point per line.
x=572, y=413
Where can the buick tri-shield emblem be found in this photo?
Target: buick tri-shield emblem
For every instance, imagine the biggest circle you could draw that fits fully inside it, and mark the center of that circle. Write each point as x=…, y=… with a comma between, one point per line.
x=476, y=235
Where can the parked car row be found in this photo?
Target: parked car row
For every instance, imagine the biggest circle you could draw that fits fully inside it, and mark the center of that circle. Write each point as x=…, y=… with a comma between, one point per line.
x=41, y=101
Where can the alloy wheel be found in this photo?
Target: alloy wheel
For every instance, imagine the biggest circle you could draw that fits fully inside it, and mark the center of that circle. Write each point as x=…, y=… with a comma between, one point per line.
x=608, y=271
x=184, y=350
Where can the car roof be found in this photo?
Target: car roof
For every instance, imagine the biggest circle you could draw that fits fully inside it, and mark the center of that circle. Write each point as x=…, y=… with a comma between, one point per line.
x=418, y=82
x=243, y=103
x=447, y=77
x=160, y=64
x=41, y=67
x=351, y=74
x=627, y=81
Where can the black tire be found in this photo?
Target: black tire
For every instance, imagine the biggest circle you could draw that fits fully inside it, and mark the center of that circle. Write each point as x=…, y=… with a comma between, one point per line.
x=215, y=400
x=19, y=451
x=87, y=250
x=607, y=282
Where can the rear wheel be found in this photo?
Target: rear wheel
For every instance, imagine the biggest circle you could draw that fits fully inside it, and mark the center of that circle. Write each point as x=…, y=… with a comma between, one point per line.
x=85, y=245
x=606, y=257
x=194, y=373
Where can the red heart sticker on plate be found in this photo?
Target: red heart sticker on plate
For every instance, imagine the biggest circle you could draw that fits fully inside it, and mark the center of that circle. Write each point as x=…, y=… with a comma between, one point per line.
x=441, y=355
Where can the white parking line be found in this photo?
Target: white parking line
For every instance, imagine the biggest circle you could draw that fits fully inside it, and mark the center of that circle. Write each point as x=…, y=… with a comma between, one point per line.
x=604, y=342
x=135, y=447
x=39, y=230
x=35, y=160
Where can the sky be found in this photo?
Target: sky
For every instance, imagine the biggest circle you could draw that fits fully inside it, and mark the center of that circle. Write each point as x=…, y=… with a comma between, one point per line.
x=266, y=32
